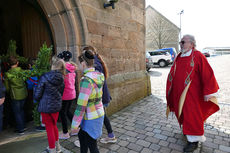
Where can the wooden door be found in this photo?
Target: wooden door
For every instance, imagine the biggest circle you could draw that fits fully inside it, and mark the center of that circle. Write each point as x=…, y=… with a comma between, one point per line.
x=34, y=30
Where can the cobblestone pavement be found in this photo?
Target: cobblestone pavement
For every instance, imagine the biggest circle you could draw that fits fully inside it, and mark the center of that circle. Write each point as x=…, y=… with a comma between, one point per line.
x=143, y=127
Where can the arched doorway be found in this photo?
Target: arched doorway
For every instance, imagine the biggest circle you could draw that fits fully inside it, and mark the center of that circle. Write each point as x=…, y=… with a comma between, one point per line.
x=31, y=22
x=25, y=22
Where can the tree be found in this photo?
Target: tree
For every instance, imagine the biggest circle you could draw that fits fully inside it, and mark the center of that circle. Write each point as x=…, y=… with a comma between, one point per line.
x=160, y=32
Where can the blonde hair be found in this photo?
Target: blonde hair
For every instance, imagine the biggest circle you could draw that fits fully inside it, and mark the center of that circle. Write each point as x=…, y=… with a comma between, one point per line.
x=58, y=64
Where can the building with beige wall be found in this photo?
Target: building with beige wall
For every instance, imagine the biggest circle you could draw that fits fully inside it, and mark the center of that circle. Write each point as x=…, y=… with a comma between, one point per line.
x=160, y=32
x=118, y=34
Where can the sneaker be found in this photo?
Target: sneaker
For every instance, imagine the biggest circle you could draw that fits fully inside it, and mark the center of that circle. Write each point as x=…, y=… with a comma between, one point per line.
x=64, y=136
x=58, y=147
x=108, y=140
x=21, y=132
x=40, y=128
x=77, y=143
x=48, y=150
x=73, y=134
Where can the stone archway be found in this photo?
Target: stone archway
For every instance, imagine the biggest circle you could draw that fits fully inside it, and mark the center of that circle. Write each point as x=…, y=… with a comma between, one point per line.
x=68, y=25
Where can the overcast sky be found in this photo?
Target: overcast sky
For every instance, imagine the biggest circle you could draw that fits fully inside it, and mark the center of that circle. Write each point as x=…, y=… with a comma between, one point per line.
x=207, y=20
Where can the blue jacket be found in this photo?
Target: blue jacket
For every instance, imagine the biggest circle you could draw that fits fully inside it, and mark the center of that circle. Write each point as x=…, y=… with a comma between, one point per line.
x=49, y=92
x=106, y=95
x=2, y=89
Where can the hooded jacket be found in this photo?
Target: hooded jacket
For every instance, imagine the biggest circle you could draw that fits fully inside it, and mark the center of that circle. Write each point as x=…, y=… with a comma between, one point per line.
x=89, y=103
x=49, y=92
x=15, y=85
x=69, y=91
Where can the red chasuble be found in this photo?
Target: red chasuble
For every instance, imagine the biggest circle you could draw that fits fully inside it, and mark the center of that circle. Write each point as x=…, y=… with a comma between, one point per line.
x=189, y=79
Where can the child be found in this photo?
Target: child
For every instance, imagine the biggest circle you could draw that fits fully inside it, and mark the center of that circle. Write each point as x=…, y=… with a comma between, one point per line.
x=49, y=94
x=100, y=66
x=2, y=99
x=16, y=86
x=69, y=94
x=89, y=112
x=32, y=83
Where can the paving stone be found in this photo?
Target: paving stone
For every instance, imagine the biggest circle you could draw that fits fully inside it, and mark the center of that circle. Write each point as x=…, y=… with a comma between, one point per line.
x=152, y=139
x=140, y=131
x=205, y=149
x=143, y=143
x=167, y=133
x=131, y=139
x=170, y=139
x=221, y=142
x=122, y=150
x=181, y=142
x=129, y=123
x=139, y=126
x=130, y=128
x=123, y=143
x=146, y=150
x=114, y=147
x=131, y=133
x=164, y=149
x=104, y=150
x=163, y=143
x=211, y=132
x=149, y=133
x=224, y=148
x=179, y=136
x=176, y=147
x=134, y=147
x=155, y=147
x=141, y=136
x=160, y=136
x=119, y=125
x=156, y=130
x=211, y=145
x=120, y=130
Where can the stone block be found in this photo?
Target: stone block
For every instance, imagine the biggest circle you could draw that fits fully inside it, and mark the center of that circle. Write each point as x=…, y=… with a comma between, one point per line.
x=98, y=28
x=134, y=147
x=143, y=143
x=154, y=147
x=224, y=148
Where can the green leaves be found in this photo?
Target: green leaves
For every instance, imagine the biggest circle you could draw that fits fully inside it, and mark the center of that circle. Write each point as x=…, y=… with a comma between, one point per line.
x=42, y=63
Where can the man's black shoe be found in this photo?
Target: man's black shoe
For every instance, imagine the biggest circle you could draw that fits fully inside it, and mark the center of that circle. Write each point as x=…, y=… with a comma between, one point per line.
x=191, y=146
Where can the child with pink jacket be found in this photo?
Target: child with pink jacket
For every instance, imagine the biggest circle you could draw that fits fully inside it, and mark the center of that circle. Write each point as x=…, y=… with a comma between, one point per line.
x=69, y=94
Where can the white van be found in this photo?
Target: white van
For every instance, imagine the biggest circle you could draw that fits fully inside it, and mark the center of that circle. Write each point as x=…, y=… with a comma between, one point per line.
x=161, y=58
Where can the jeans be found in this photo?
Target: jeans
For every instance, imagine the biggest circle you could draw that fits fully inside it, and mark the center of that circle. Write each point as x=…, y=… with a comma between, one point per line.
x=87, y=142
x=107, y=124
x=64, y=113
x=18, y=110
x=1, y=117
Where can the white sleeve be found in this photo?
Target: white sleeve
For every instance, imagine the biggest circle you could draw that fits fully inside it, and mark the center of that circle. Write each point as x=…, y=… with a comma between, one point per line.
x=207, y=97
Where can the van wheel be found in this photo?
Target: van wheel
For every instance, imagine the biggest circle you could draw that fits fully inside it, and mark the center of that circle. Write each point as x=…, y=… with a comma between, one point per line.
x=162, y=63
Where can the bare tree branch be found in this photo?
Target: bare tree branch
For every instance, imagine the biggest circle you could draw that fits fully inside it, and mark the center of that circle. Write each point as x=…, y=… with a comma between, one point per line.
x=160, y=32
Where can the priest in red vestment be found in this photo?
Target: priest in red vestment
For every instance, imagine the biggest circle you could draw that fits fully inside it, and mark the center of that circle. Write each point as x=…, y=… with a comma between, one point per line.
x=191, y=91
